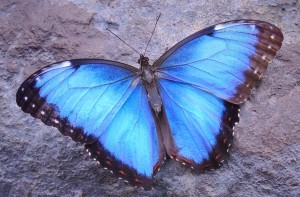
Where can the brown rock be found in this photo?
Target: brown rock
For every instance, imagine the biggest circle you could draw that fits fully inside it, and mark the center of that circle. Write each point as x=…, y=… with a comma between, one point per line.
x=37, y=160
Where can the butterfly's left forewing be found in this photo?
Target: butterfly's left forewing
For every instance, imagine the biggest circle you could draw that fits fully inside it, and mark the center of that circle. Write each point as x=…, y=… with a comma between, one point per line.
x=226, y=60
x=102, y=104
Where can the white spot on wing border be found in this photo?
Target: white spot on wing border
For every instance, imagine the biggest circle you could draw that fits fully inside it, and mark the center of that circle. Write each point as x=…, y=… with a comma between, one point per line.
x=57, y=65
x=230, y=24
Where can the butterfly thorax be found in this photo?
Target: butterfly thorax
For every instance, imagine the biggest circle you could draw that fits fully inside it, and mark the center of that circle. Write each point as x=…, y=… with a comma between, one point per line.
x=149, y=80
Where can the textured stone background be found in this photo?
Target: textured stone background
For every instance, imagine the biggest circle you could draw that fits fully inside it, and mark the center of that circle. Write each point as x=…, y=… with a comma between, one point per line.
x=36, y=160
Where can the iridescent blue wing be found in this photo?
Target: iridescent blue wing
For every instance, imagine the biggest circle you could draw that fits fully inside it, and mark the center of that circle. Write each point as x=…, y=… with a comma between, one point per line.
x=202, y=78
x=226, y=60
x=102, y=104
x=197, y=125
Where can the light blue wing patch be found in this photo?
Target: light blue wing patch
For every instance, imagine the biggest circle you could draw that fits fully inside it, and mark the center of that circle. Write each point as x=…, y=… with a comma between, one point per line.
x=131, y=137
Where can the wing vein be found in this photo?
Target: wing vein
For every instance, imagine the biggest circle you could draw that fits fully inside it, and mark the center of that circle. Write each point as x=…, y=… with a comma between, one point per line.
x=105, y=83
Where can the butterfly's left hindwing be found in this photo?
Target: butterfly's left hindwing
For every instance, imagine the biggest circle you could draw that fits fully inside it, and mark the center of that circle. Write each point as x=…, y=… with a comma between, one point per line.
x=200, y=125
x=104, y=105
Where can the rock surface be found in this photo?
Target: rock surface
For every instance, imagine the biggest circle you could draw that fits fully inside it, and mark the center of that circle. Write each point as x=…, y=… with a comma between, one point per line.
x=37, y=160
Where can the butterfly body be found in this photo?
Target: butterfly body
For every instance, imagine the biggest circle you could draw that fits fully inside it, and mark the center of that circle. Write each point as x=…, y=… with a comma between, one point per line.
x=149, y=80
x=185, y=105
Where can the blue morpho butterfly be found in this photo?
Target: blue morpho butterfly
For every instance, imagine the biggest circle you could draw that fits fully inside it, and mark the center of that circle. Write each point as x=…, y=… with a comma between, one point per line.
x=185, y=105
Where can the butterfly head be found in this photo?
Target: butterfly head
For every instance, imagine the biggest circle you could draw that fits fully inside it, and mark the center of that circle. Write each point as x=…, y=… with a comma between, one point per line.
x=146, y=72
x=143, y=61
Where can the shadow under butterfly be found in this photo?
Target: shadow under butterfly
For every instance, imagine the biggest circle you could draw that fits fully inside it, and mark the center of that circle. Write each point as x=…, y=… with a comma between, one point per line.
x=185, y=105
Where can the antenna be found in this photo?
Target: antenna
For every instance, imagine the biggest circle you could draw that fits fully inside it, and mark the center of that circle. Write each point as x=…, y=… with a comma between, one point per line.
x=123, y=41
x=131, y=46
x=152, y=33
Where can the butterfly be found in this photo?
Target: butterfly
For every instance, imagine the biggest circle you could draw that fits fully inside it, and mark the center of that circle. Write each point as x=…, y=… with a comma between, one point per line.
x=184, y=106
